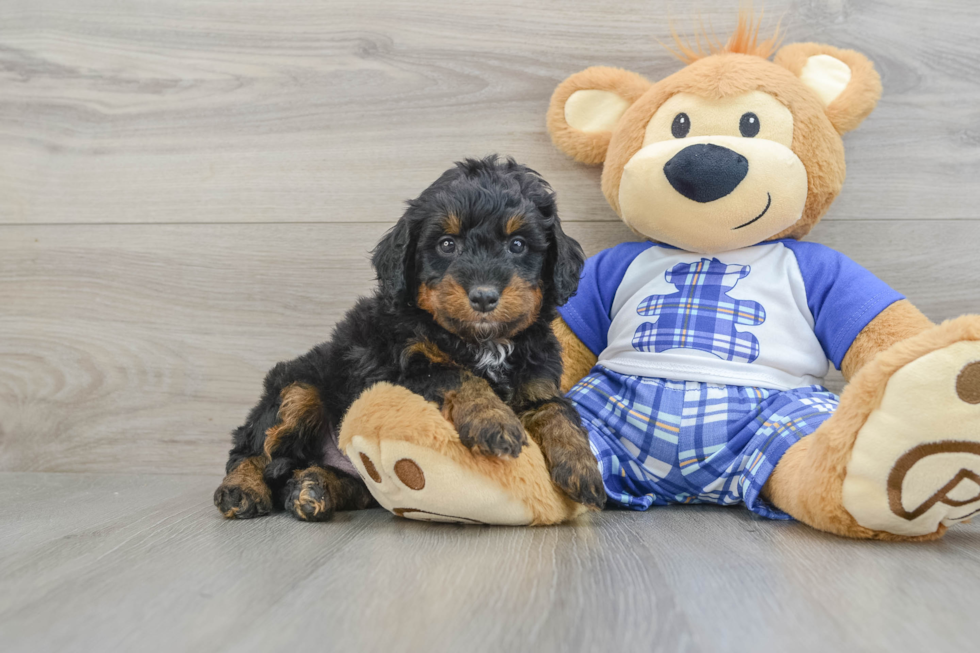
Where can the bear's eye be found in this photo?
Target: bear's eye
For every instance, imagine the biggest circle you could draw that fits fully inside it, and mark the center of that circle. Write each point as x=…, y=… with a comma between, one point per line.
x=681, y=125
x=749, y=125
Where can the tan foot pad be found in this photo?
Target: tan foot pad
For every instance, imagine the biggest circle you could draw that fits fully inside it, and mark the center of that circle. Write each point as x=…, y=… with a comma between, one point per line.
x=417, y=483
x=916, y=461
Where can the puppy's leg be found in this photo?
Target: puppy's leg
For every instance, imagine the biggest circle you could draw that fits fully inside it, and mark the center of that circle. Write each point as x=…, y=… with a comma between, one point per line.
x=314, y=493
x=556, y=427
x=484, y=422
x=284, y=431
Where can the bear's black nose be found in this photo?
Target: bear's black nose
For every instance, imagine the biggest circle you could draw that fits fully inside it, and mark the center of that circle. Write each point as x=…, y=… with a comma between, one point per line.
x=706, y=172
x=484, y=298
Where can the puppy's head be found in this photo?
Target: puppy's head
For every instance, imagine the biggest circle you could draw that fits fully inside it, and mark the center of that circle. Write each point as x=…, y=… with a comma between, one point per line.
x=481, y=250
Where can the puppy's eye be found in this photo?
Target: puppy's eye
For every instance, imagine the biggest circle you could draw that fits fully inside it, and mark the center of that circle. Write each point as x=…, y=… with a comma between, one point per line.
x=681, y=125
x=447, y=246
x=517, y=246
x=749, y=125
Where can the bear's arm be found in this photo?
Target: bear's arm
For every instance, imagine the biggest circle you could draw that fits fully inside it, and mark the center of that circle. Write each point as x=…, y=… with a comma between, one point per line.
x=576, y=358
x=899, y=321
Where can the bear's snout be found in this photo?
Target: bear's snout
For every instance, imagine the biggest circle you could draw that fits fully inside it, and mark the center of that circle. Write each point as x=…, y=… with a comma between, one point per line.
x=706, y=172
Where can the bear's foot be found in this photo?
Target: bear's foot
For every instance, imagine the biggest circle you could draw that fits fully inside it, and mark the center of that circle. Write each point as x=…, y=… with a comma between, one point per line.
x=915, y=464
x=417, y=483
x=415, y=465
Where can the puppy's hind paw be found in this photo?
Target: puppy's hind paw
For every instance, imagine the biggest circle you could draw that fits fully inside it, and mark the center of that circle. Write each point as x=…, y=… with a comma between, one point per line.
x=307, y=496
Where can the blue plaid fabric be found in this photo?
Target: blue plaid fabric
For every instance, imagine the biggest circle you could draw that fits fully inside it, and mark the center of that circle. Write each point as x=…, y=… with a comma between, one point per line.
x=660, y=442
x=701, y=315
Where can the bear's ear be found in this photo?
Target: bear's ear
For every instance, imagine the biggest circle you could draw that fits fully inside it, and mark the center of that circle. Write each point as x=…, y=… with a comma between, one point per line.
x=585, y=108
x=845, y=81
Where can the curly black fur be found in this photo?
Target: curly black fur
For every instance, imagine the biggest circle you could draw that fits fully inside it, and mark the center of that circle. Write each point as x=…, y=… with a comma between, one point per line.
x=477, y=200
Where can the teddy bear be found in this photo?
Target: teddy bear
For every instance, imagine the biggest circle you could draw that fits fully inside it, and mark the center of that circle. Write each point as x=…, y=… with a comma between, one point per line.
x=695, y=358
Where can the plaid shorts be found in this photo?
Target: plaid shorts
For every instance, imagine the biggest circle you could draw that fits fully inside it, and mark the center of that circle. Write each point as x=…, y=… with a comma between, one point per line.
x=660, y=442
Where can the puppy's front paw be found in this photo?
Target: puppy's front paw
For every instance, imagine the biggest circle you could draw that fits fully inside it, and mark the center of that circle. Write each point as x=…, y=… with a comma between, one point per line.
x=577, y=474
x=242, y=501
x=493, y=432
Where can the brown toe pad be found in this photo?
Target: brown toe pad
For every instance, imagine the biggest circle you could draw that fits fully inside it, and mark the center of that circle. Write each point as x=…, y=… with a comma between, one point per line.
x=968, y=383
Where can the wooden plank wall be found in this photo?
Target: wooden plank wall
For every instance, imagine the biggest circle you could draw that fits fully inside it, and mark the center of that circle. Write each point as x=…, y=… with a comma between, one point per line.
x=189, y=189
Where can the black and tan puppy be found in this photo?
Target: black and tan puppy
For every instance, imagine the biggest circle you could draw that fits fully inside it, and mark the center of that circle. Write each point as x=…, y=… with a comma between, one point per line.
x=469, y=279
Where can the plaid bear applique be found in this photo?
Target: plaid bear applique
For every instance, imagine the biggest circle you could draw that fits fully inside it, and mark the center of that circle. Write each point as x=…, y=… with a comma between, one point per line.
x=701, y=315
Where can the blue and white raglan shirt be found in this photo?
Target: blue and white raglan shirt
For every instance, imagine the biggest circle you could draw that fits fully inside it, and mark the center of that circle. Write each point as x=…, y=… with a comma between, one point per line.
x=768, y=316
x=709, y=367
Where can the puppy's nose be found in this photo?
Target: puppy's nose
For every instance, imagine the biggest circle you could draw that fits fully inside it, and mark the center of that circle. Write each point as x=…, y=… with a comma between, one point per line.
x=706, y=172
x=484, y=298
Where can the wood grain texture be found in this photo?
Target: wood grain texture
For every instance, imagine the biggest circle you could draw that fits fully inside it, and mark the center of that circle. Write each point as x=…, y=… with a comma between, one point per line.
x=190, y=111
x=139, y=347
x=124, y=562
x=188, y=194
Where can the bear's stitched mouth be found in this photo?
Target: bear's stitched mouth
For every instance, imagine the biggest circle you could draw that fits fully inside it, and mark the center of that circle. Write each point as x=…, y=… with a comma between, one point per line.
x=758, y=217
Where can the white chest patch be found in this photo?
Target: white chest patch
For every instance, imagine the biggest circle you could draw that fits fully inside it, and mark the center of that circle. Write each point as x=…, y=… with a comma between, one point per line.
x=491, y=358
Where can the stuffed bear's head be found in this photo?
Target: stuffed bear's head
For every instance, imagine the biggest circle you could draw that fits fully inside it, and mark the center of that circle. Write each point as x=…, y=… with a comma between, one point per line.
x=732, y=150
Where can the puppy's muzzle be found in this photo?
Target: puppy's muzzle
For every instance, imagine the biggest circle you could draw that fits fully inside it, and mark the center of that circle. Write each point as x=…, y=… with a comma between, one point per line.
x=484, y=298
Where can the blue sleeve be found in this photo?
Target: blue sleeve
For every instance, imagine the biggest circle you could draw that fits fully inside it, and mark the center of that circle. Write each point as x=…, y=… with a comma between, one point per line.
x=843, y=297
x=587, y=312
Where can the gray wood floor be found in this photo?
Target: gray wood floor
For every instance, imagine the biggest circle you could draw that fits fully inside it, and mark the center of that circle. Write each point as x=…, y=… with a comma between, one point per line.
x=143, y=562
x=188, y=192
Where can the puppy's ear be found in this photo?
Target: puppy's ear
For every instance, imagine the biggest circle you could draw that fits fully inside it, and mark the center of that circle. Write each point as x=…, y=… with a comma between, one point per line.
x=394, y=262
x=565, y=258
x=845, y=81
x=586, y=107
x=565, y=261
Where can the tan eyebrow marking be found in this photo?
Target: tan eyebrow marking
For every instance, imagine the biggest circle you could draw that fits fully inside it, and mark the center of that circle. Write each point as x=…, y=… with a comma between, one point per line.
x=452, y=224
x=514, y=223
